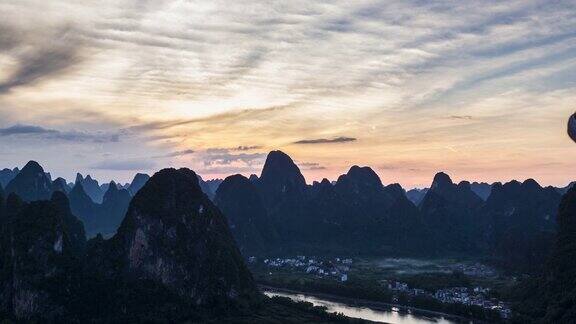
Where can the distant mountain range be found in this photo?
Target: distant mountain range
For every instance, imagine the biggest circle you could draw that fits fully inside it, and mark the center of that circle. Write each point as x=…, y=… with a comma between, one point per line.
x=173, y=259
x=169, y=247
x=278, y=212
x=512, y=223
x=6, y=175
x=101, y=207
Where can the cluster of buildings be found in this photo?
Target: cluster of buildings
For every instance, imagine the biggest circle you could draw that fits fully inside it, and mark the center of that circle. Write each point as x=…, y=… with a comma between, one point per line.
x=477, y=296
x=337, y=268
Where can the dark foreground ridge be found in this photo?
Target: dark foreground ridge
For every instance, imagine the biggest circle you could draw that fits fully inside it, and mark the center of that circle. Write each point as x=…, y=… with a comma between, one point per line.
x=173, y=259
x=550, y=299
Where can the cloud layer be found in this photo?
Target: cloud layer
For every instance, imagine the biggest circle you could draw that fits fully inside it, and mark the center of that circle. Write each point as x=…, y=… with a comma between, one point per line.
x=341, y=139
x=37, y=132
x=481, y=90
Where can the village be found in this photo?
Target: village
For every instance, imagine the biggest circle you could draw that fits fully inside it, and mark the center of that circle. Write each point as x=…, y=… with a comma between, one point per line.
x=335, y=268
x=477, y=296
x=338, y=269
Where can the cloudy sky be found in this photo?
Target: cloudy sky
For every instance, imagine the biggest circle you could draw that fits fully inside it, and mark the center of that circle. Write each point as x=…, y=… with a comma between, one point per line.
x=479, y=89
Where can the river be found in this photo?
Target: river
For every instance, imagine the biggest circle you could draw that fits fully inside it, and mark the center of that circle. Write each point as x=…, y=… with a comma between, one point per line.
x=392, y=316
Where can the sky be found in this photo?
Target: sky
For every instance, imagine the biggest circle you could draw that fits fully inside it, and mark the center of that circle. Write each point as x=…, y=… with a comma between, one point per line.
x=479, y=89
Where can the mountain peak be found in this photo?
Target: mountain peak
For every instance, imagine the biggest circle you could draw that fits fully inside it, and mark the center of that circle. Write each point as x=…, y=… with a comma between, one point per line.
x=171, y=213
x=78, y=187
x=59, y=184
x=531, y=183
x=31, y=183
x=6, y=175
x=32, y=166
x=236, y=178
x=279, y=163
x=112, y=188
x=91, y=187
x=280, y=175
x=169, y=183
x=365, y=175
x=138, y=182
x=441, y=180
x=465, y=185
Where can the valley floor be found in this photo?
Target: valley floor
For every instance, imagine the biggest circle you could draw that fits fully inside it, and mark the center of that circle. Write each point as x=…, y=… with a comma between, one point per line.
x=461, y=288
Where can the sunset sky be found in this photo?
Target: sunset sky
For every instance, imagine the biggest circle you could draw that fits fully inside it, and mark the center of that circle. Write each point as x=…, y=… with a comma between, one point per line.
x=479, y=89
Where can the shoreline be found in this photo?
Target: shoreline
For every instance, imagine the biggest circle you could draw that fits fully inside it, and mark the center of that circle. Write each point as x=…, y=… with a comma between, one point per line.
x=375, y=305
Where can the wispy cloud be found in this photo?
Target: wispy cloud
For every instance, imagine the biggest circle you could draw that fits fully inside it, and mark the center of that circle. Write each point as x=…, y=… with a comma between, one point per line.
x=124, y=165
x=466, y=117
x=177, y=153
x=229, y=158
x=311, y=166
x=258, y=74
x=247, y=148
x=48, y=57
x=32, y=131
x=341, y=139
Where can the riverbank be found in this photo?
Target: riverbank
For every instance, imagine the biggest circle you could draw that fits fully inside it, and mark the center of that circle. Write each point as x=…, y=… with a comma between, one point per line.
x=375, y=305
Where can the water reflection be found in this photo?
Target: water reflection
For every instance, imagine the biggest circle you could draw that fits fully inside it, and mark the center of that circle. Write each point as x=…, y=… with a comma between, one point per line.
x=392, y=317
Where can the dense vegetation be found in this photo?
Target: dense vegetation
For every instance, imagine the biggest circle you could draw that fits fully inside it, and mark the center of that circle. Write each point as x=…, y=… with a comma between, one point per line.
x=552, y=298
x=173, y=260
x=358, y=215
x=171, y=235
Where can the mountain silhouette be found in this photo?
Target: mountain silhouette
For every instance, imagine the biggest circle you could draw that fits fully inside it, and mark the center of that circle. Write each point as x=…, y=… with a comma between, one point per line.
x=280, y=178
x=173, y=258
x=38, y=254
x=6, y=175
x=448, y=210
x=519, y=223
x=239, y=200
x=173, y=235
x=137, y=183
x=31, y=183
x=91, y=187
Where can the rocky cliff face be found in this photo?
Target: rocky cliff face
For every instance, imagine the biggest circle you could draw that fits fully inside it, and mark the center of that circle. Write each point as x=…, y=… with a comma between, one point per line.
x=74, y=226
x=551, y=298
x=175, y=236
x=173, y=258
x=38, y=260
